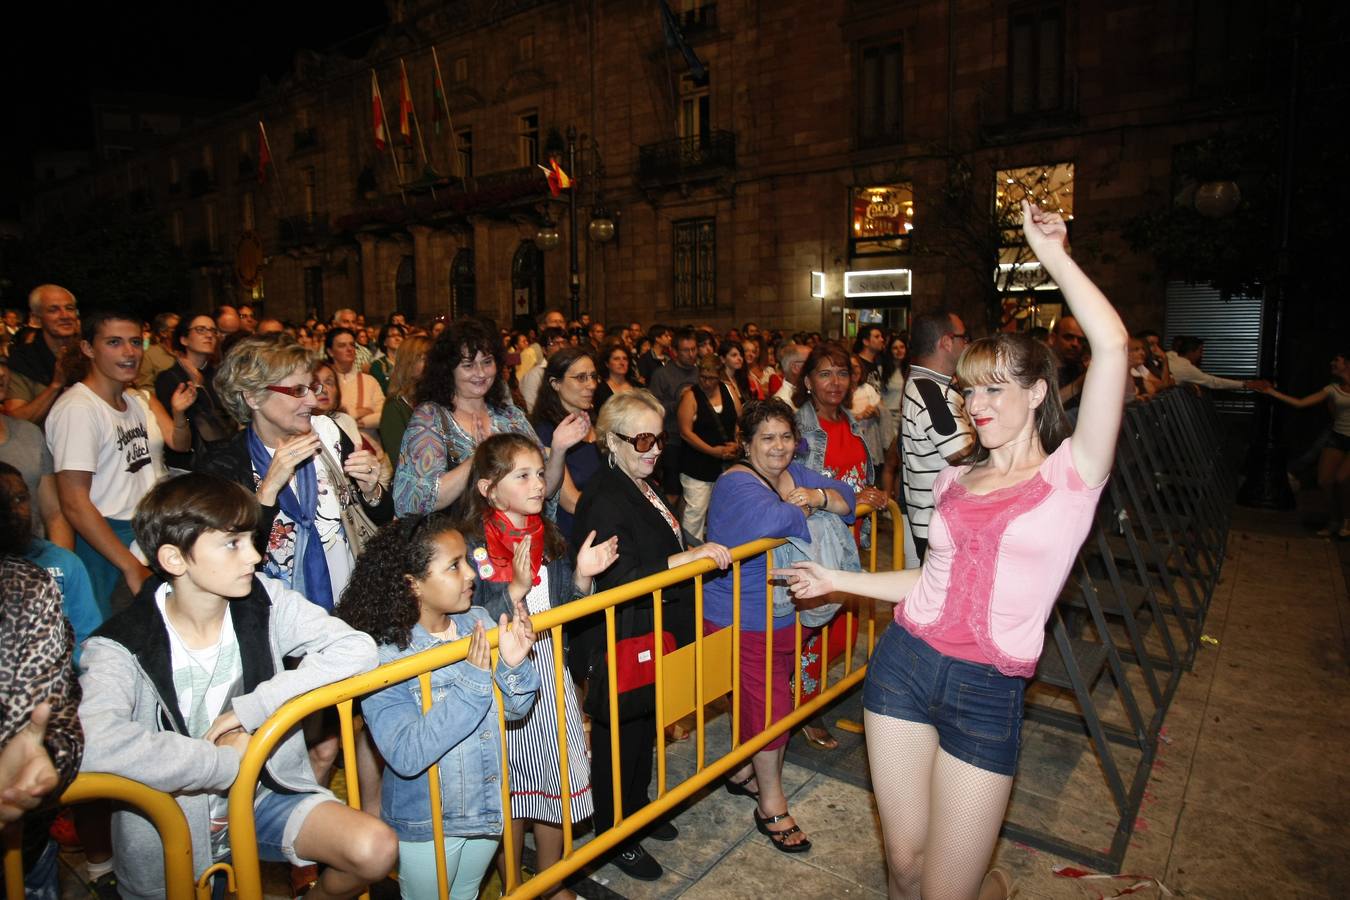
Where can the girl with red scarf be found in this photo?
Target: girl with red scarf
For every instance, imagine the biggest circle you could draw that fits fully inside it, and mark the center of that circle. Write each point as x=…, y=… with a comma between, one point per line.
x=522, y=557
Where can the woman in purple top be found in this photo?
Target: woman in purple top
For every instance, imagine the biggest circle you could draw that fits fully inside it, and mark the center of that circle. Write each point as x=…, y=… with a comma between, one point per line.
x=766, y=495
x=943, y=698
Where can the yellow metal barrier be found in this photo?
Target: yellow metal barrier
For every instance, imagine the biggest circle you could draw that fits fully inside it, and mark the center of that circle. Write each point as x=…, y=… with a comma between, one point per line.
x=246, y=871
x=160, y=808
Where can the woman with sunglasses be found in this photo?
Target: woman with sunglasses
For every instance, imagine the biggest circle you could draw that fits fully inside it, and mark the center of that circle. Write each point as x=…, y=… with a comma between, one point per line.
x=305, y=470
x=618, y=500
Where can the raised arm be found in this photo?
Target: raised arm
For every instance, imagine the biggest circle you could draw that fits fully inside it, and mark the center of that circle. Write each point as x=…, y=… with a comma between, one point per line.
x=1094, y=439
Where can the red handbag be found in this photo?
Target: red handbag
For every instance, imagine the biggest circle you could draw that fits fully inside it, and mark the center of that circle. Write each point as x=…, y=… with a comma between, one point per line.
x=635, y=660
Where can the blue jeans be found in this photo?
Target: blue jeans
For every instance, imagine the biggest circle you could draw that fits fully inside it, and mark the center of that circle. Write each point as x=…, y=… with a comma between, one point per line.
x=976, y=709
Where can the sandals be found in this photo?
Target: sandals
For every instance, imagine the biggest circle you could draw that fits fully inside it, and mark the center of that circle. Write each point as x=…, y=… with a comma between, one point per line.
x=739, y=789
x=779, y=838
x=828, y=742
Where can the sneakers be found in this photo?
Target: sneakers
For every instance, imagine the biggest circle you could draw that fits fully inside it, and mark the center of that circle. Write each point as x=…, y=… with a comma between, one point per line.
x=663, y=831
x=104, y=887
x=635, y=862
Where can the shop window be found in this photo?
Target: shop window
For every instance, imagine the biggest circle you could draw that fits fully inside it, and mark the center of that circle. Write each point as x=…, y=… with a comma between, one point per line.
x=1036, y=59
x=696, y=263
x=1050, y=187
x=880, y=83
x=882, y=217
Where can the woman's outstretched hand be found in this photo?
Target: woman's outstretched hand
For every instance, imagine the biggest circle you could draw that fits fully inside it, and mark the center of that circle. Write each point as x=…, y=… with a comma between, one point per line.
x=1043, y=230
x=806, y=580
x=592, y=560
x=570, y=431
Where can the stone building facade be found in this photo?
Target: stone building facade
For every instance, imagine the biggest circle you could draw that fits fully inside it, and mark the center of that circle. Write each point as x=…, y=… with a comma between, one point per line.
x=728, y=192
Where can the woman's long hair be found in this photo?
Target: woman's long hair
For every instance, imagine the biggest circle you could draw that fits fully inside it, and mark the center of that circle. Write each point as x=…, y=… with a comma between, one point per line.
x=462, y=340
x=742, y=376
x=548, y=406
x=401, y=381
x=493, y=460
x=1016, y=357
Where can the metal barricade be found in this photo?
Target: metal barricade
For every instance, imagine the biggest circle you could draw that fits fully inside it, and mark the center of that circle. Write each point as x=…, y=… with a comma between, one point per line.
x=160, y=808
x=245, y=868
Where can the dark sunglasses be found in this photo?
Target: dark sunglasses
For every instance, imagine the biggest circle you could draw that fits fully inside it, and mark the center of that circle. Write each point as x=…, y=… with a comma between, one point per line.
x=298, y=391
x=645, y=441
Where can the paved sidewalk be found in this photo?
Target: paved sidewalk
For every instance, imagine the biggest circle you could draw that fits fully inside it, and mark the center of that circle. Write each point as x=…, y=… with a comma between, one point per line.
x=1247, y=797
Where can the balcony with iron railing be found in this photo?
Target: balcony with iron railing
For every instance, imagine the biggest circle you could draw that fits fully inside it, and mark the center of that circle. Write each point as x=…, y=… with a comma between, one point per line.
x=705, y=157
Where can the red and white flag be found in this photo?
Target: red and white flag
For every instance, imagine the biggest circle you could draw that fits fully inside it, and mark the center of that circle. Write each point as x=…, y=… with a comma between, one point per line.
x=377, y=112
x=264, y=154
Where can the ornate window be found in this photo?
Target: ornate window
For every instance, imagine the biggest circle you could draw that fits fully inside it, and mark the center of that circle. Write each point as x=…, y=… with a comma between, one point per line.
x=696, y=263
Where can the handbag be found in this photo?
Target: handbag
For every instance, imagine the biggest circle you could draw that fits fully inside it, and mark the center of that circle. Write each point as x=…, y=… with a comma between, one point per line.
x=635, y=659
x=356, y=525
x=634, y=674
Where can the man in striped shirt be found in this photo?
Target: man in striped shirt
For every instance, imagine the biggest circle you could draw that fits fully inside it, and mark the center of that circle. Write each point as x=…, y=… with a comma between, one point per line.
x=934, y=428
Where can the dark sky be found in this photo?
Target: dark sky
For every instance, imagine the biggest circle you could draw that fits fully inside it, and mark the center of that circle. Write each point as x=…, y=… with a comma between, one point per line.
x=56, y=52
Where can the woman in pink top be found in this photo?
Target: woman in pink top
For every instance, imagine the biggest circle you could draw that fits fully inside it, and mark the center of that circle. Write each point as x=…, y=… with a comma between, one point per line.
x=943, y=697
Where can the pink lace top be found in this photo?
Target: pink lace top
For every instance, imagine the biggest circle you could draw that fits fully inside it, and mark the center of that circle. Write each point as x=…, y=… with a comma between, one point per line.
x=996, y=563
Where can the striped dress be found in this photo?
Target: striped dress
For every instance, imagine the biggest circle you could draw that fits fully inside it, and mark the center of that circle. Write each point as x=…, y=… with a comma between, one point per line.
x=532, y=742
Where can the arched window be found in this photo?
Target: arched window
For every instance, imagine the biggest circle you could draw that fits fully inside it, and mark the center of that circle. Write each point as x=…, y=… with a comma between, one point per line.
x=463, y=287
x=405, y=289
x=527, y=280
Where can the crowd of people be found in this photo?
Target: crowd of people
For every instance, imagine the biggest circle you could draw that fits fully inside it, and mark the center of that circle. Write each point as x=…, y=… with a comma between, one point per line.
x=194, y=503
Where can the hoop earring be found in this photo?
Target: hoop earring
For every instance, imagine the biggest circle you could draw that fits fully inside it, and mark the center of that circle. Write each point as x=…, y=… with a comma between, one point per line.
x=610, y=457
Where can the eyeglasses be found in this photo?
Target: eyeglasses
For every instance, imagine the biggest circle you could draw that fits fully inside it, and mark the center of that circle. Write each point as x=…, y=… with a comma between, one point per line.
x=585, y=377
x=645, y=441
x=299, y=391
x=204, y=329
x=961, y=337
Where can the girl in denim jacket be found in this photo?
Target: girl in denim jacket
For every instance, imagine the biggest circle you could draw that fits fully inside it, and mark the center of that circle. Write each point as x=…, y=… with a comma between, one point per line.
x=411, y=591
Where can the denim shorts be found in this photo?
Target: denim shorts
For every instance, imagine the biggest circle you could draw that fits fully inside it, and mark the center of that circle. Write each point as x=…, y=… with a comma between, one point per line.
x=976, y=709
x=278, y=819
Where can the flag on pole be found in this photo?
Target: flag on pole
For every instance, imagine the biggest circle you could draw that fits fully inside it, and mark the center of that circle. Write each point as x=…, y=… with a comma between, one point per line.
x=557, y=178
x=377, y=112
x=264, y=154
x=405, y=112
x=438, y=95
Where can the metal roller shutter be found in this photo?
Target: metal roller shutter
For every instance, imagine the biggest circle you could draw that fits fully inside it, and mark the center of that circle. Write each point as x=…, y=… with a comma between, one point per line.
x=1230, y=326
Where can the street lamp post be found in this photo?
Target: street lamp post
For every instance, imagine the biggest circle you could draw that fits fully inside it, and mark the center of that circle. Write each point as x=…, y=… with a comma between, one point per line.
x=574, y=285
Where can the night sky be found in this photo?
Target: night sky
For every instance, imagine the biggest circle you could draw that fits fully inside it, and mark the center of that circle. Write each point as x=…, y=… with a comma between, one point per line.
x=55, y=52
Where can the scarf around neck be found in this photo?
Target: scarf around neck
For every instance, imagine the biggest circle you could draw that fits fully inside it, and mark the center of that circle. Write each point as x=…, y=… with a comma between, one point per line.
x=500, y=537
x=309, y=574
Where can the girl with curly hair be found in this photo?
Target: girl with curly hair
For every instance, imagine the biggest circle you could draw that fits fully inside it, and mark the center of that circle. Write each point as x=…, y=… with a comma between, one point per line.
x=411, y=592
x=522, y=557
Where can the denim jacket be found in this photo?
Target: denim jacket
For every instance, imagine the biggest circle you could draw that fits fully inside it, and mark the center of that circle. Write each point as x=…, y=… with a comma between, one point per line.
x=811, y=451
x=459, y=733
x=832, y=546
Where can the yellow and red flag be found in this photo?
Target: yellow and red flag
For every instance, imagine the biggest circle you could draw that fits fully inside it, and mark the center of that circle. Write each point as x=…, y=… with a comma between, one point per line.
x=405, y=108
x=558, y=180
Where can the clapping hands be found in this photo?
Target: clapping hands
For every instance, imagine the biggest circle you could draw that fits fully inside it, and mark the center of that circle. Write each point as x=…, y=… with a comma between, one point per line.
x=594, y=559
x=515, y=639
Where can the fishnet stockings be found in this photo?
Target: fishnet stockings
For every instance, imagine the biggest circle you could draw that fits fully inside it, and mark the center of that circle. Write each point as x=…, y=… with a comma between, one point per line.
x=940, y=817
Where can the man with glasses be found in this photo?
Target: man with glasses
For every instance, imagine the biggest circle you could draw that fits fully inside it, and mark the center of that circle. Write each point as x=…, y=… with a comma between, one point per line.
x=934, y=428
x=37, y=372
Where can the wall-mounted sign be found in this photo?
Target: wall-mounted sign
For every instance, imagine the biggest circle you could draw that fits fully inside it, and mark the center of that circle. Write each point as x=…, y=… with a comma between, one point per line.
x=877, y=283
x=1024, y=276
x=881, y=218
x=817, y=284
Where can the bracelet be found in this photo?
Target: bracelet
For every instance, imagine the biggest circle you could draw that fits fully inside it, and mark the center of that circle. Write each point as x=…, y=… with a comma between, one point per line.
x=824, y=498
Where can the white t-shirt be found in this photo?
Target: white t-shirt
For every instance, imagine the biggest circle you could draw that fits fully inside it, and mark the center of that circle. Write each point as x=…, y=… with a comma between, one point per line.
x=123, y=449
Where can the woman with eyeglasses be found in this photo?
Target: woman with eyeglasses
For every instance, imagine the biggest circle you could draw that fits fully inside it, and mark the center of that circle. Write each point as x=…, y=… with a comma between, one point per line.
x=620, y=501
x=568, y=388
x=307, y=473
x=462, y=400
x=195, y=339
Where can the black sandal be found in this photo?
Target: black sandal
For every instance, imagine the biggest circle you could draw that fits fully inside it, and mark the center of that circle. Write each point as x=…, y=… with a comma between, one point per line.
x=739, y=789
x=779, y=838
